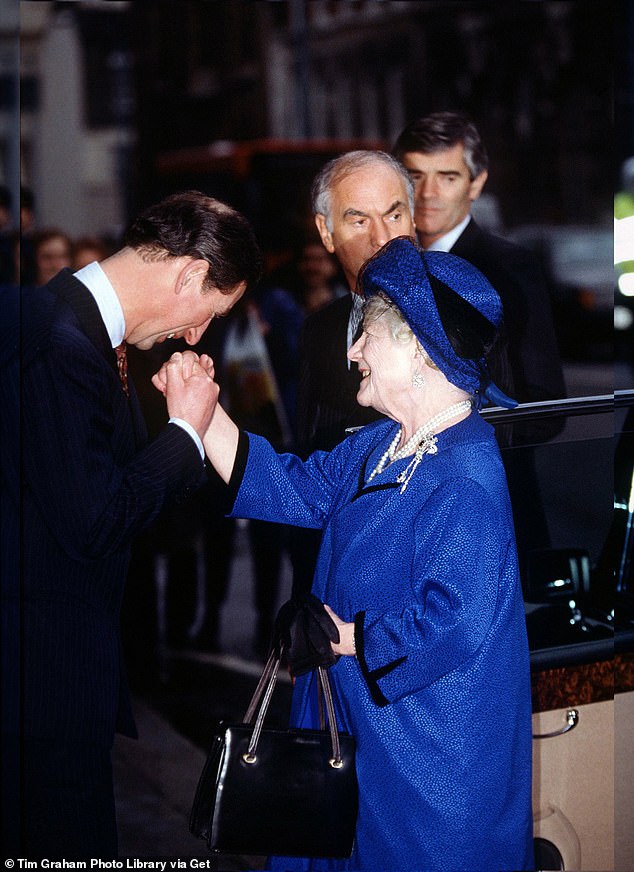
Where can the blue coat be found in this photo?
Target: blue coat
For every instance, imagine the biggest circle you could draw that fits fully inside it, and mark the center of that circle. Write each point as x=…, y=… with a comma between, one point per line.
x=438, y=696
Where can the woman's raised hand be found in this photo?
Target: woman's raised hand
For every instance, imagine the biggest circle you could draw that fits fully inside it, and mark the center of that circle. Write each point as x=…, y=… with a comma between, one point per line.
x=159, y=379
x=187, y=382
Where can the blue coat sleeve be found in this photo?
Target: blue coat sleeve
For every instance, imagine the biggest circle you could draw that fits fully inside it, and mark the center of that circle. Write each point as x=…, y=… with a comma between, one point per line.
x=458, y=565
x=284, y=489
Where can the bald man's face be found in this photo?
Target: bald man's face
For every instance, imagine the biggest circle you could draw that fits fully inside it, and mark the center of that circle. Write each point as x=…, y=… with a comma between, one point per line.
x=369, y=206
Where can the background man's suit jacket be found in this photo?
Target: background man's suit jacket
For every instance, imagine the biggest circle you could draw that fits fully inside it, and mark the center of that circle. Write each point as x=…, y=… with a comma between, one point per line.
x=529, y=342
x=90, y=482
x=327, y=391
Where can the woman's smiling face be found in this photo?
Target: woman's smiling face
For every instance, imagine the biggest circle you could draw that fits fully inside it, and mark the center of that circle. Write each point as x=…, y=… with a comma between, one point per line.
x=386, y=366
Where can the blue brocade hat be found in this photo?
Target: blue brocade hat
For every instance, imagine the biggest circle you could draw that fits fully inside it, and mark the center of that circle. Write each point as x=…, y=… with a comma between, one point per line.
x=439, y=293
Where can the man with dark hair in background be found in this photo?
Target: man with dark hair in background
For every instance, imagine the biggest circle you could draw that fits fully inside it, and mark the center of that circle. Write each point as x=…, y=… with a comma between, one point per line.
x=448, y=164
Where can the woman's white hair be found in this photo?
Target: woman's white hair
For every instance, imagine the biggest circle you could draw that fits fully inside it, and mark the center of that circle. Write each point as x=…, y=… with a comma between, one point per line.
x=379, y=306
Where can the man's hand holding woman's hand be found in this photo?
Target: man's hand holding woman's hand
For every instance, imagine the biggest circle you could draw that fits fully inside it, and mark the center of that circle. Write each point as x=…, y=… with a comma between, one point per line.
x=187, y=382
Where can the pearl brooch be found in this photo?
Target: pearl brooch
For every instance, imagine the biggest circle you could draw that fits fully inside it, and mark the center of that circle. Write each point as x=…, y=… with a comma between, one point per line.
x=423, y=441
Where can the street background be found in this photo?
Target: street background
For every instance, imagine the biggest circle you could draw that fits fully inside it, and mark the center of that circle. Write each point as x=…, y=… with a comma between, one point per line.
x=105, y=106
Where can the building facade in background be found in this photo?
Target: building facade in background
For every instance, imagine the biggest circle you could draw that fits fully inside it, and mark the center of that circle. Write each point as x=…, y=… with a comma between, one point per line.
x=108, y=87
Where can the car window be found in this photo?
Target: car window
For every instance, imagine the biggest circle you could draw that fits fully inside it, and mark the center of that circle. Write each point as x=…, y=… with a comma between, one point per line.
x=583, y=257
x=578, y=265
x=572, y=505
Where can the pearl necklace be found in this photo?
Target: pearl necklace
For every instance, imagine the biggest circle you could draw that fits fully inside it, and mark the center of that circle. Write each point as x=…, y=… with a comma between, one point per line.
x=424, y=441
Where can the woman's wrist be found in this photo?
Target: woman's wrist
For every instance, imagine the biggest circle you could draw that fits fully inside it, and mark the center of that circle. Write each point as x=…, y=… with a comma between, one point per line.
x=346, y=645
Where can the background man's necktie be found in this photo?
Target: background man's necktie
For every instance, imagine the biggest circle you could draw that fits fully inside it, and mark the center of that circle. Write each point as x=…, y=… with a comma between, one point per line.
x=122, y=365
x=356, y=316
x=354, y=320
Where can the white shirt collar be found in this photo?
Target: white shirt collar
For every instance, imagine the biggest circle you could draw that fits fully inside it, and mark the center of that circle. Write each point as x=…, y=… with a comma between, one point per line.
x=447, y=242
x=106, y=299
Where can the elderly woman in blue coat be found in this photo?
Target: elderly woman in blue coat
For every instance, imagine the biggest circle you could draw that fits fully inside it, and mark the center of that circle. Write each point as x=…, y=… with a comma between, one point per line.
x=418, y=570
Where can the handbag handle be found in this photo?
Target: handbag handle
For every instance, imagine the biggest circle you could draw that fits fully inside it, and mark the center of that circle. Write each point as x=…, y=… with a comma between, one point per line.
x=264, y=692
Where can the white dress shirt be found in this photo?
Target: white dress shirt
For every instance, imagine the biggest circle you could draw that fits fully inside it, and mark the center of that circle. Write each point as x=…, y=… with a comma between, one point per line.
x=447, y=242
x=105, y=296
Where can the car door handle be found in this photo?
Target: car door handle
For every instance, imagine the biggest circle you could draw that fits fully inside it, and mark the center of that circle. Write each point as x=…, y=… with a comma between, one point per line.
x=572, y=719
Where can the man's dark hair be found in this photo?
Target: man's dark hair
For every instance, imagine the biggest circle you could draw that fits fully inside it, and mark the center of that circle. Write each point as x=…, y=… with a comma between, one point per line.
x=440, y=131
x=191, y=224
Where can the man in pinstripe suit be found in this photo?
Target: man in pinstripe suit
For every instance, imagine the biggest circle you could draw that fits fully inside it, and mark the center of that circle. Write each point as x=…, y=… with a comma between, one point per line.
x=85, y=481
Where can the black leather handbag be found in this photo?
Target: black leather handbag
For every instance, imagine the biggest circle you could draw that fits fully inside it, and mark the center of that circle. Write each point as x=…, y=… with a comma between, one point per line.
x=286, y=792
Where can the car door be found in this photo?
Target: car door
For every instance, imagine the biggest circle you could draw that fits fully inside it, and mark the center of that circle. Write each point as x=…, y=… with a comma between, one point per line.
x=572, y=499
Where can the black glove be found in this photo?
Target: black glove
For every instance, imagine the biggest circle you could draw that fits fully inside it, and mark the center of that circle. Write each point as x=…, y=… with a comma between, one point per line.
x=303, y=632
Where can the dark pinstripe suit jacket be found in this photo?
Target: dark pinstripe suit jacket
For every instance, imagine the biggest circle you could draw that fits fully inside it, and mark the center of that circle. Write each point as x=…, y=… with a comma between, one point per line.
x=327, y=391
x=90, y=482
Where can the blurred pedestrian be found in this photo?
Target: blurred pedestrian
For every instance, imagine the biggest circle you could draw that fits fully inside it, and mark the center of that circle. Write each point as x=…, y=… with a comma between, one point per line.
x=88, y=249
x=52, y=251
x=85, y=481
x=258, y=376
x=181, y=564
x=321, y=281
x=27, y=229
x=312, y=275
x=8, y=273
x=258, y=379
x=6, y=202
x=27, y=211
x=10, y=260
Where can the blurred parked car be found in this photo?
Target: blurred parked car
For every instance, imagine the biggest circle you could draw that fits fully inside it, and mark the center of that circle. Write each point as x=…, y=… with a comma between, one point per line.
x=624, y=288
x=578, y=262
x=577, y=501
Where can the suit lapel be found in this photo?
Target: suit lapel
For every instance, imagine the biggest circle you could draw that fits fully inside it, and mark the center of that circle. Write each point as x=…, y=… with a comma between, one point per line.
x=83, y=304
x=467, y=241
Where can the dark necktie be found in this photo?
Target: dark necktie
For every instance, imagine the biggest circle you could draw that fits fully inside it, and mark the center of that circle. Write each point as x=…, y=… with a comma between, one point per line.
x=354, y=320
x=122, y=366
x=356, y=316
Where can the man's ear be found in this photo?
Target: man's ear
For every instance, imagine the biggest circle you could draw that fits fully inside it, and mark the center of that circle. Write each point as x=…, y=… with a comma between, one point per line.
x=475, y=188
x=326, y=236
x=190, y=272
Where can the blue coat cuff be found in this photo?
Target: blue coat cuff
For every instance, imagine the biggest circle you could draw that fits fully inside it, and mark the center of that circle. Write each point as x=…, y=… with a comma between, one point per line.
x=372, y=677
x=237, y=473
